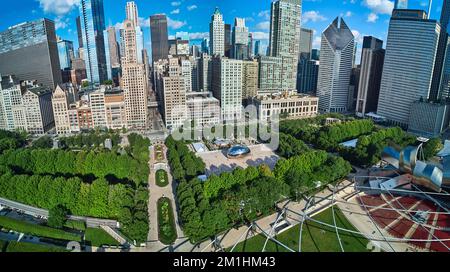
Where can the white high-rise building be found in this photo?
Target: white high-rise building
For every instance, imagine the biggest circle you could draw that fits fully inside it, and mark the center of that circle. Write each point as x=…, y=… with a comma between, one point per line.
x=227, y=86
x=97, y=106
x=186, y=71
x=133, y=16
x=132, y=12
x=336, y=60
x=134, y=81
x=174, y=95
x=408, y=67
x=61, y=111
x=217, y=34
x=205, y=72
x=285, y=38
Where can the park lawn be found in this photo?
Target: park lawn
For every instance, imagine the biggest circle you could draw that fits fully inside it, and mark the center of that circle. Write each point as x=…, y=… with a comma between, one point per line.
x=315, y=237
x=76, y=225
x=28, y=247
x=98, y=237
x=166, y=222
x=162, y=179
x=37, y=230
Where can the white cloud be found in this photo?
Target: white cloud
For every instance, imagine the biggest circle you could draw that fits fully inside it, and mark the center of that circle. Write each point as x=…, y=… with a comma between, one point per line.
x=175, y=3
x=313, y=16
x=58, y=7
x=175, y=11
x=198, y=35
x=317, y=42
x=379, y=6
x=263, y=25
x=192, y=7
x=174, y=24
x=372, y=18
x=358, y=36
x=258, y=35
x=144, y=22
x=61, y=23
x=265, y=14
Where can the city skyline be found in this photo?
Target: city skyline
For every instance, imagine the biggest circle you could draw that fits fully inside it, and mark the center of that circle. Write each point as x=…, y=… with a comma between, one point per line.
x=363, y=17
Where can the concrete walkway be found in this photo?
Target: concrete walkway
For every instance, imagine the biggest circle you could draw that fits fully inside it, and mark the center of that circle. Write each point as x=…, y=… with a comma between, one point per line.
x=156, y=193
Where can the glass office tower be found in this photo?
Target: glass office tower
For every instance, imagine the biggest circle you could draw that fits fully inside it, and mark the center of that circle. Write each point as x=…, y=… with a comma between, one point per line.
x=29, y=51
x=66, y=54
x=92, y=25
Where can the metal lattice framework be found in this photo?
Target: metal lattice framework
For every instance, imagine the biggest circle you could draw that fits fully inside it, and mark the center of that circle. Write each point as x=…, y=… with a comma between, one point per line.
x=300, y=217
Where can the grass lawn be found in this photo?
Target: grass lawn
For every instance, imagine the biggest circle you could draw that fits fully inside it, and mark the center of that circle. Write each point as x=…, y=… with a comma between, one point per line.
x=28, y=247
x=315, y=237
x=166, y=223
x=99, y=237
x=37, y=230
x=76, y=225
x=162, y=179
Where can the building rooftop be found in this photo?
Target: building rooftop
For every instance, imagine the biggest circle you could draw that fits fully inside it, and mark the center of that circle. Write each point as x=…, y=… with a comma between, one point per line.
x=40, y=90
x=284, y=95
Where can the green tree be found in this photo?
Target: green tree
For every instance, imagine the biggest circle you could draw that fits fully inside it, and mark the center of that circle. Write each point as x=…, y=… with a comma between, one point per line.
x=57, y=216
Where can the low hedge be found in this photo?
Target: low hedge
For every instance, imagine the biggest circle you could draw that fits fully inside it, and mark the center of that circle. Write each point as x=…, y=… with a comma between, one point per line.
x=162, y=179
x=166, y=222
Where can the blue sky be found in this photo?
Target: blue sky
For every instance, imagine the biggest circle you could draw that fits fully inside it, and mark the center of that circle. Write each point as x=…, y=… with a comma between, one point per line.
x=364, y=17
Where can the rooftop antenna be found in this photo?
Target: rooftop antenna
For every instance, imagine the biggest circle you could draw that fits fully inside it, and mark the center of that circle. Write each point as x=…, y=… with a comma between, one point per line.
x=429, y=8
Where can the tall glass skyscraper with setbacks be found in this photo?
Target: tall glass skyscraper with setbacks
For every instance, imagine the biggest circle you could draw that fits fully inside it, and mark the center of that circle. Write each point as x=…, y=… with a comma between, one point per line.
x=92, y=19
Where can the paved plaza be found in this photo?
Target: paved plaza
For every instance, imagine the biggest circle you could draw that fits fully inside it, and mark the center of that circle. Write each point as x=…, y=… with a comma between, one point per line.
x=217, y=161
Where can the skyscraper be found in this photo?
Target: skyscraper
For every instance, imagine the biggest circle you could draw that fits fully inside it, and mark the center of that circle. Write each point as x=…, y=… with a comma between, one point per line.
x=134, y=81
x=217, y=34
x=240, y=39
x=372, y=59
x=250, y=45
x=401, y=4
x=92, y=26
x=441, y=74
x=336, y=60
x=205, y=73
x=306, y=40
x=113, y=47
x=66, y=54
x=205, y=47
x=160, y=37
x=79, y=32
x=308, y=72
x=408, y=64
x=270, y=74
x=133, y=16
x=228, y=41
x=227, y=86
x=257, y=48
x=132, y=12
x=285, y=38
x=30, y=52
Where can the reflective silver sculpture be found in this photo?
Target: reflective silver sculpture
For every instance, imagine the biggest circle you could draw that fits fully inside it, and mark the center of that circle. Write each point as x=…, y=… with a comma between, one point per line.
x=424, y=174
